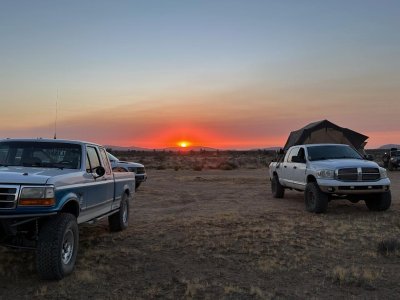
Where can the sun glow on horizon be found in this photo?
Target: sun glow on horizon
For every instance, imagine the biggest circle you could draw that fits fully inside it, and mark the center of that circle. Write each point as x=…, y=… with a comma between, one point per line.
x=184, y=144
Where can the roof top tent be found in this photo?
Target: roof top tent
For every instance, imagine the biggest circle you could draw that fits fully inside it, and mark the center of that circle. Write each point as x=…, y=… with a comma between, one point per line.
x=326, y=132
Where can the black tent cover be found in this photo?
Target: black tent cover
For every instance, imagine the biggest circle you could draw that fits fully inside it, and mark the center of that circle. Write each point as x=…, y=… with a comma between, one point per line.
x=341, y=135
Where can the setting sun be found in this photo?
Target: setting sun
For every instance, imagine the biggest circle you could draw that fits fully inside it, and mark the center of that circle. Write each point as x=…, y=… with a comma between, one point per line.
x=184, y=144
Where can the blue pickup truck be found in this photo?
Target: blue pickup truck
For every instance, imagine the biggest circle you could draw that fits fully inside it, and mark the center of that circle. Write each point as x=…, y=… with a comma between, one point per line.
x=48, y=187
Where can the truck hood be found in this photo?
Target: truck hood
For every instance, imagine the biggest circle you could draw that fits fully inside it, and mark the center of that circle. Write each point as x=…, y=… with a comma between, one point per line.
x=130, y=164
x=342, y=163
x=24, y=175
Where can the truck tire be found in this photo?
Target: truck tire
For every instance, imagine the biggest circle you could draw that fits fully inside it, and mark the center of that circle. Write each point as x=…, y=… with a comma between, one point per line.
x=277, y=189
x=137, y=184
x=120, y=220
x=380, y=203
x=315, y=200
x=57, y=247
x=390, y=166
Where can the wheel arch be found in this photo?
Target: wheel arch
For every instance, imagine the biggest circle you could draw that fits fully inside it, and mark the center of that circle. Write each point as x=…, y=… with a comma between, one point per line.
x=71, y=206
x=311, y=178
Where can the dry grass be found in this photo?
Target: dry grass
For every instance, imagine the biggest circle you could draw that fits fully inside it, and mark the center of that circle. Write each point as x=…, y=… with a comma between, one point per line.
x=215, y=234
x=358, y=276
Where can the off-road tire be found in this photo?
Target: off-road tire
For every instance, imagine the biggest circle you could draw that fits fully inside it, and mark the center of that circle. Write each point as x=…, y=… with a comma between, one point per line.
x=379, y=203
x=390, y=166
x=120, y=220
x=278, y=191
x=315, y=200
x=54, y=257
x=137, y=184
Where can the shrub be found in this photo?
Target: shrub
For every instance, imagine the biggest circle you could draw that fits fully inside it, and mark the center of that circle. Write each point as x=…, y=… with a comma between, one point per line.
x=389, y=246
x=227, y=166
x=197, y=167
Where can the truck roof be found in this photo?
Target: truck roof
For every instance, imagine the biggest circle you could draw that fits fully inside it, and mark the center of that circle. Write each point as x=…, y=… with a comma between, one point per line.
x=48, y=141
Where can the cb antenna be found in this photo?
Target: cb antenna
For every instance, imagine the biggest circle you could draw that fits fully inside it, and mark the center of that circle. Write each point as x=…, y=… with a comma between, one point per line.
x=55, y=121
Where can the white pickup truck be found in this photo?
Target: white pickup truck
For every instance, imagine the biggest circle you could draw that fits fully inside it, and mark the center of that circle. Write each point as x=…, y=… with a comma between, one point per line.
x=330, y=171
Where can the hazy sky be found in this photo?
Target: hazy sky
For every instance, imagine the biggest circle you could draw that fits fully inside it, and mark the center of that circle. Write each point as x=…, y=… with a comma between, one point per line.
x=229, y=74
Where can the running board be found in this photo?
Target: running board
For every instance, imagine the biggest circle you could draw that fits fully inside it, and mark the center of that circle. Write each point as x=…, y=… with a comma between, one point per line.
x=92, y=221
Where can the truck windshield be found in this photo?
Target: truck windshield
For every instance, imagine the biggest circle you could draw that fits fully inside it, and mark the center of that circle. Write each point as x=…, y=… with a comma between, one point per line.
x=40, y=154
x=331, y=152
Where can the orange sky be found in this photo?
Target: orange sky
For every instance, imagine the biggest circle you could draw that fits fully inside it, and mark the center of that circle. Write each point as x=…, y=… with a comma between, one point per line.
x=222, y=74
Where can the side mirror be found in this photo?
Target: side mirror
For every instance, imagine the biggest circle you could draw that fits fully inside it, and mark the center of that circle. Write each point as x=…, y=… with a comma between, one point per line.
x=100, y=171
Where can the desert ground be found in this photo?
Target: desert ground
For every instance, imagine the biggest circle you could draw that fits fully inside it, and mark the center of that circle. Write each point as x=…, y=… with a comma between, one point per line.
x=217, y=233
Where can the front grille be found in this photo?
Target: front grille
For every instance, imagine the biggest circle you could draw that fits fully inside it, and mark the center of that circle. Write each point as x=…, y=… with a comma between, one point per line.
x=350, y=174
x=8, y=196
x=370, y=174
x=358, y=174
x=140, y=170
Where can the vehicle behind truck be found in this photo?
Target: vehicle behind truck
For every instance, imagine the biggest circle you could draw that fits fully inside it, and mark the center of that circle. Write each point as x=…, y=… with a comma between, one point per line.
x=324, y=172
x=127, y=166
x=47, y=188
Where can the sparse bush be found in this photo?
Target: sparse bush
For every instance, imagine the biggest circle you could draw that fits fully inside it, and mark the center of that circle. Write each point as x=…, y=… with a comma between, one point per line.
x=227, y=166
x=355, y=276
x=387, y=247
x=177, y=168
x=198, y=167
x=161, y=167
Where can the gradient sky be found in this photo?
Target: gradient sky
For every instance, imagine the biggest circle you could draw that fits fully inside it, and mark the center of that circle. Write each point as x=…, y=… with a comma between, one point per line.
x=227, y=74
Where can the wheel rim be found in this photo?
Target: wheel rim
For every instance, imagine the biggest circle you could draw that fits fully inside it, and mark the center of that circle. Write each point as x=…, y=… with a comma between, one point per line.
x=68, y=244
x=125, y=213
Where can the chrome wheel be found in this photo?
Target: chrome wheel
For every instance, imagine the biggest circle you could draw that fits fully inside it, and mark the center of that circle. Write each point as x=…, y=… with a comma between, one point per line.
x=125, y=213
x=67, y=250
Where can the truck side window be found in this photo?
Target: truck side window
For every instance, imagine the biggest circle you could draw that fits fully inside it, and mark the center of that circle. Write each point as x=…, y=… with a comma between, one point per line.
x=292, y=153
x=302, y=154
x=105, y=160
x=93, y=158
x=88, y=168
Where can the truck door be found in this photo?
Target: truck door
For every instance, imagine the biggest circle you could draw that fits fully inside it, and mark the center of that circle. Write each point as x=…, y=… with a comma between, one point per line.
x=101, y=191
x=288, y=167
x=299, y=169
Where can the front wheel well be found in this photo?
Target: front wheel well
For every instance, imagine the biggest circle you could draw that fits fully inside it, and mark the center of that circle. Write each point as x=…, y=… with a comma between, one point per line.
x=71, y=207
x=311, y=178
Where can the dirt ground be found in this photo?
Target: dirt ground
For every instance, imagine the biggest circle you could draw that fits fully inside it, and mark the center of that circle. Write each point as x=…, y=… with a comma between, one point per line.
x=220, y=235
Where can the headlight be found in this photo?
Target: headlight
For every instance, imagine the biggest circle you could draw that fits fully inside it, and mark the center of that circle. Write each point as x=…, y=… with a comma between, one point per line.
x=383, y=173
x=43, y=196
x=326, y=174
